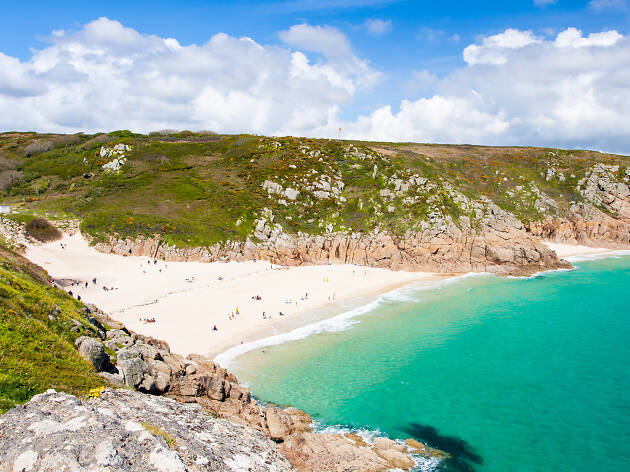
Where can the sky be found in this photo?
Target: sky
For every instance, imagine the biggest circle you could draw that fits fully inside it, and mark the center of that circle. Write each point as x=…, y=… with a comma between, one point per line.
x=522, y=72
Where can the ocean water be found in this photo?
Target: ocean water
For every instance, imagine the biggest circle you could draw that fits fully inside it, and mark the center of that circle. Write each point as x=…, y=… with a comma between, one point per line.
x=505, y=374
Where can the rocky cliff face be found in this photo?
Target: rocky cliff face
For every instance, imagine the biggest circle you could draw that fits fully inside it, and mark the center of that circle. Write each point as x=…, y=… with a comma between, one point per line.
x=602, y=220
x=499, y=243
x=485, y=238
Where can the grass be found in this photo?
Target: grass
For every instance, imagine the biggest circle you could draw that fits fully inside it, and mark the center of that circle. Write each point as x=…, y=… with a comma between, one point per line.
x=159, y=432
x=38, y=326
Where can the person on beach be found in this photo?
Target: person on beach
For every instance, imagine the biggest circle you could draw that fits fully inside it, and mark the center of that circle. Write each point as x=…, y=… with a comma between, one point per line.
x=94, y=280
x=215, y=328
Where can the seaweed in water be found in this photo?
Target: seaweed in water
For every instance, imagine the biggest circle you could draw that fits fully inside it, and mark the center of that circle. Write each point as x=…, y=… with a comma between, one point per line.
x=463, y=456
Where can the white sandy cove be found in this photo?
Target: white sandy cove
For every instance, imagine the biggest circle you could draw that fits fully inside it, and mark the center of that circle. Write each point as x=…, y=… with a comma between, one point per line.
x=187, y=298
x=571, y=250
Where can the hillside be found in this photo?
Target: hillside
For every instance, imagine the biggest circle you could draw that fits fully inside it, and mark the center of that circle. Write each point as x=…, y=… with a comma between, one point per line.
x=410, y=206
x=38, y=327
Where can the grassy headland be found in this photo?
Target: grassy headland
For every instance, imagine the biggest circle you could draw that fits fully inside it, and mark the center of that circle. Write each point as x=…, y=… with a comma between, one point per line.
x=200, y=189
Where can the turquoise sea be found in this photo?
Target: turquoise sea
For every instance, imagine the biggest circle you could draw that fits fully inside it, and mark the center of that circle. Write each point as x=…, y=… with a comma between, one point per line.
x=505, y=374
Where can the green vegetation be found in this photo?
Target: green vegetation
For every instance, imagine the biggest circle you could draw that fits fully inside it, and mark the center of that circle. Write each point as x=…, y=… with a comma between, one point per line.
x=159, y=432
x=198, y=189
x=38, y=327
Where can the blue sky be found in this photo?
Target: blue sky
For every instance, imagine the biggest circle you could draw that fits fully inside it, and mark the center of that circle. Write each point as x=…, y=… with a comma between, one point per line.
x=416, y=47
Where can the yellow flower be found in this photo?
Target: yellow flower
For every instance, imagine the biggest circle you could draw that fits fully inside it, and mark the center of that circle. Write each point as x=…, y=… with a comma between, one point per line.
x=96, y=392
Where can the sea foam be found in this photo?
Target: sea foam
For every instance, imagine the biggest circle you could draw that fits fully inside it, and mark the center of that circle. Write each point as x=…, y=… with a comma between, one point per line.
x=340, y=322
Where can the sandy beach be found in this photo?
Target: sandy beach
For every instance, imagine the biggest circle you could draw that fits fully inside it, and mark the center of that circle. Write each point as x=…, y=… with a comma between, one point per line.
x=187, y=299
x=572, y=250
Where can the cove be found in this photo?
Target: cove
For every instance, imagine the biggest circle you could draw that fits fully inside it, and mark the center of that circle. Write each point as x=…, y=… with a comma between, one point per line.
x=505, y=374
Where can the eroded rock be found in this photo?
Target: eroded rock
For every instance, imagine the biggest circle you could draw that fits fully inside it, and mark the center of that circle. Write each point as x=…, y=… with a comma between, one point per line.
x=131, y=432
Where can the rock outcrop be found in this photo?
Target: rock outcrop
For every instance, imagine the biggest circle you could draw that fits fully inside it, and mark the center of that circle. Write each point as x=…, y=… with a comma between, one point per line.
x=148, y=365
x=500, y=244
x=121, y=430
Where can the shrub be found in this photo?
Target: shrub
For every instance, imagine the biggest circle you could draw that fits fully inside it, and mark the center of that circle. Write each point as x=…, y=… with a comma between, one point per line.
x=8, y=178
x=163, y=132
x=96, y=141
x=7, y=163
x=43, y=230
x=38, y=147
x=66, y=140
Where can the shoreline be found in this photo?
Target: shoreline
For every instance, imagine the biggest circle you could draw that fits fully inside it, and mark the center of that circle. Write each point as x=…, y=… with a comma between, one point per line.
x=283, y=326
x=335, y=322
x=571, y=253
x=568, y=251
x=187, y=299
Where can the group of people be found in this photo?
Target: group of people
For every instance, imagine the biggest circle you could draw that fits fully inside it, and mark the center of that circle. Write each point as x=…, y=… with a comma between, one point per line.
x=148, y=320
x=77, y=283
x=151, y=262
x=234, y=314
x=256, y=297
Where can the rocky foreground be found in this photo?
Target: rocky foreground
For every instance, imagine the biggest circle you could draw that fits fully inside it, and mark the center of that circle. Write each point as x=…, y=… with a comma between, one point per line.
x=171, y=413
x=122, y=430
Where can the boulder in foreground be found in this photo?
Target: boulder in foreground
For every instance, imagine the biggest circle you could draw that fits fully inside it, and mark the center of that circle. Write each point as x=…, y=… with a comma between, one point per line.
x=128, y=431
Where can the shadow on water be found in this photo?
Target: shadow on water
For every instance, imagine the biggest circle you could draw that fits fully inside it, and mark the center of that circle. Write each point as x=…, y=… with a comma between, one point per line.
x=463, y=457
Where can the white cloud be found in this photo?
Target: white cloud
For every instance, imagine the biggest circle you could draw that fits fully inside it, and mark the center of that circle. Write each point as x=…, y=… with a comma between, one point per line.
x=571, y=90
x=333, y=45
x=106, y=76
x=515, y=88
x=494, y=49
x=600, y=5
x=433, y=35
x=572, y=37
x=325, y=40
x=376, y=26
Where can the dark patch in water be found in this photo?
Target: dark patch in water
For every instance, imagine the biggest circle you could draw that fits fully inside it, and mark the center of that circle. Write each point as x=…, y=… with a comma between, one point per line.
x=463, y=455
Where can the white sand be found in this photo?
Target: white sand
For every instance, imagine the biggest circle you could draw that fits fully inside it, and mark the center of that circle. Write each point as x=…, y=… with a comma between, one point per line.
x=572, y=250
x=186, y=310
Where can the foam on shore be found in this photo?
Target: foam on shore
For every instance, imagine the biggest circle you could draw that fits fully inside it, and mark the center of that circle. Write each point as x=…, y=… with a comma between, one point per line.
x=340, y=322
